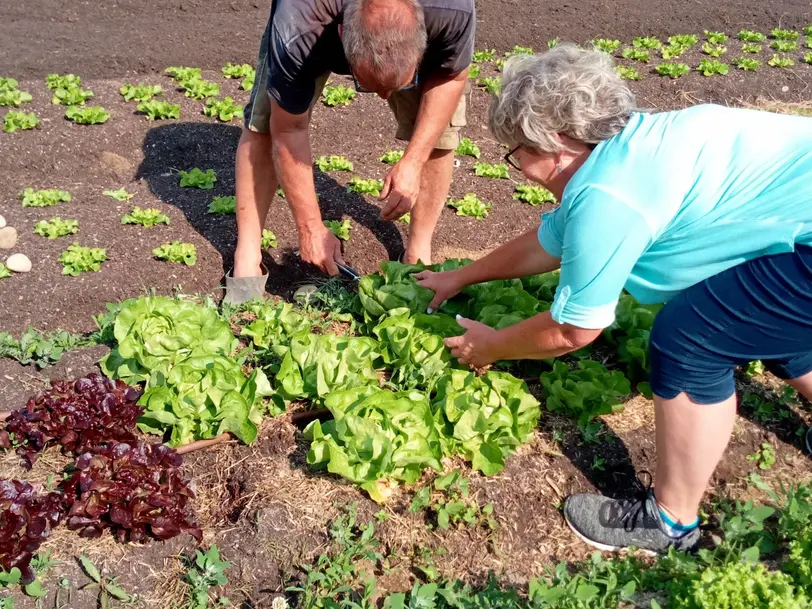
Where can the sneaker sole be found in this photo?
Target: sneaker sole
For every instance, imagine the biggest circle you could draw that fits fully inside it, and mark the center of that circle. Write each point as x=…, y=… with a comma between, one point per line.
x=602, y=546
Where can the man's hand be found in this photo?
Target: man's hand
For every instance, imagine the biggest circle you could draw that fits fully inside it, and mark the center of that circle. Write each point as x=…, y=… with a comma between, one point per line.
x=476, y=346
x=445, y=285
x=401, y=187
x=320, y=247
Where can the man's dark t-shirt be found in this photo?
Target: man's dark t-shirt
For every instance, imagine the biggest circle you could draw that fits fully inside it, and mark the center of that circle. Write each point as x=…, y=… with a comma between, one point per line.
x=304, y=44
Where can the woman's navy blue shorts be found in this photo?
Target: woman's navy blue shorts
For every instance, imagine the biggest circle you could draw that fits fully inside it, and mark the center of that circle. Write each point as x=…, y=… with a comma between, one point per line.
x=759, y=310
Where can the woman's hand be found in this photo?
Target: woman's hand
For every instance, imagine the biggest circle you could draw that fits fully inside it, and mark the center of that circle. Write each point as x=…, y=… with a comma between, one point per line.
x=444, y=285
x=477, y=346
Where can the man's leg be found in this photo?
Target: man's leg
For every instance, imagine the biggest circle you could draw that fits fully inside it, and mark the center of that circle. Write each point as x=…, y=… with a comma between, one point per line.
x=256, y=185
x=435, y=182
x=803, y=385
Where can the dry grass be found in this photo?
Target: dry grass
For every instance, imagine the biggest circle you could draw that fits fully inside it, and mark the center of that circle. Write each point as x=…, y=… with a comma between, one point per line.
x=799, y=108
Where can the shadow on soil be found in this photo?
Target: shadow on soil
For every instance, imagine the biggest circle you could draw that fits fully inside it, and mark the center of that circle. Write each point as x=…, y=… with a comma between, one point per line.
x=170, y=148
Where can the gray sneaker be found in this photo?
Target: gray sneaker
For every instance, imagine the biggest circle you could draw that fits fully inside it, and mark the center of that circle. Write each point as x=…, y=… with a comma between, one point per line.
x=611, y=524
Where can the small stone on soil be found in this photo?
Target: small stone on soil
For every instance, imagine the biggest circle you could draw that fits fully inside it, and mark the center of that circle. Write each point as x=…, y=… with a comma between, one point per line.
x=2, y=222
x=19, y=263
x=8, y=237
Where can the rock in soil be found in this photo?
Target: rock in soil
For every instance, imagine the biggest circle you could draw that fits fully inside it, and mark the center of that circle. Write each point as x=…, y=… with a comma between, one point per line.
x=8, y=237
x=19, y=263
x=2, y=222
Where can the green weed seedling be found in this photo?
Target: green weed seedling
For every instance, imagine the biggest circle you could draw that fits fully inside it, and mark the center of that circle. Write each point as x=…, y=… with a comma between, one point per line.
x=35, y=347
x=334, y=162
x=405, y=218
x=716, y=37
x=451, y=505
x=647, y=42
x=56, y=227
x=743, y=526
x=14, y=98
x=340, y=229
x=19, y=121
x=197, y=178
x=491, y=84
x=390, y=157
x=749, y=64
x=337, y=96
x=781, y=62
x=108, y=589
x=553, y=42
x=628, y=73
x=65, y=81
x=751, y=36
x=484, y=55
x=533, y=194
x=119, y=195
x=4, y=272
x=636, y=54
x=467, y=148
x=371, y=186
x=145, y=217
x=474, y=72
x=751, y=48
x=41, y=563
x=495, y=172
x=198, y=88
x=204, y=572
x=714, y=50
x=177, y=251
x=784, y=46
x=237, y=71
x=683, y=40
x=78, y=259
x=222, y=109
x=783, y=34
x=337, y=578
x=72, y=96
x=709, y=67
x=91, y=115
x=764, y=458
x=673, y=70
x=223, y=205
x=43, y=198
x=471, y=205
x=808, y=30
x=140, y=92
x=808, y=58
x=606, y=45
x=159, y=110
x=269, y=239
x=763, y=410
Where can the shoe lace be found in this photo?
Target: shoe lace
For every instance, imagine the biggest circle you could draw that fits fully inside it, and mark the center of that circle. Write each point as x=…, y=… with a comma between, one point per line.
x=628, y=511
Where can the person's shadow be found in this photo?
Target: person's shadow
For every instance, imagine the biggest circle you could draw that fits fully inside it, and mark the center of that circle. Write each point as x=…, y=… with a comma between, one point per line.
x=171, y=148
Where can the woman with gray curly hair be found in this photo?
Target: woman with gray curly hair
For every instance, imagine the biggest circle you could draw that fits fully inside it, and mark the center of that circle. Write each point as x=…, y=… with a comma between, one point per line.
x=707, y=209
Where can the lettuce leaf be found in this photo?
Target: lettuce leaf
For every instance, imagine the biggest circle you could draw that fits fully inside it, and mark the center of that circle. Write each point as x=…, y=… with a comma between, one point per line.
x=376, y=438
x=318, y=364
x=484, y=418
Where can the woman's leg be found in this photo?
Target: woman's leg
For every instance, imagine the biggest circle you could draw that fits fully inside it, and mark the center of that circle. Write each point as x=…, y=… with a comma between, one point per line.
x=761, y=309
x=691, y=439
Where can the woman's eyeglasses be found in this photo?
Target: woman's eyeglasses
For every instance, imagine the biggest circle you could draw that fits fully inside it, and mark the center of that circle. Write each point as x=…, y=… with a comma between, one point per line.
x=511, y=159
x=362, y=89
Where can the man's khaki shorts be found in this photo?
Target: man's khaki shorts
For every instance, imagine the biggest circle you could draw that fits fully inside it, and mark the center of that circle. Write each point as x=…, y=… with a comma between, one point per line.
x=404, y=105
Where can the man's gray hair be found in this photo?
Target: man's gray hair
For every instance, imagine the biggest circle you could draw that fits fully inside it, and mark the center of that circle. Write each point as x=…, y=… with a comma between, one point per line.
x=387, y=37
x=566, y=90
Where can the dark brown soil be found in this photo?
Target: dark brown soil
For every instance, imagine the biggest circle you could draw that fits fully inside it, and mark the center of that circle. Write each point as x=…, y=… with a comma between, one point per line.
x=262, y=505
